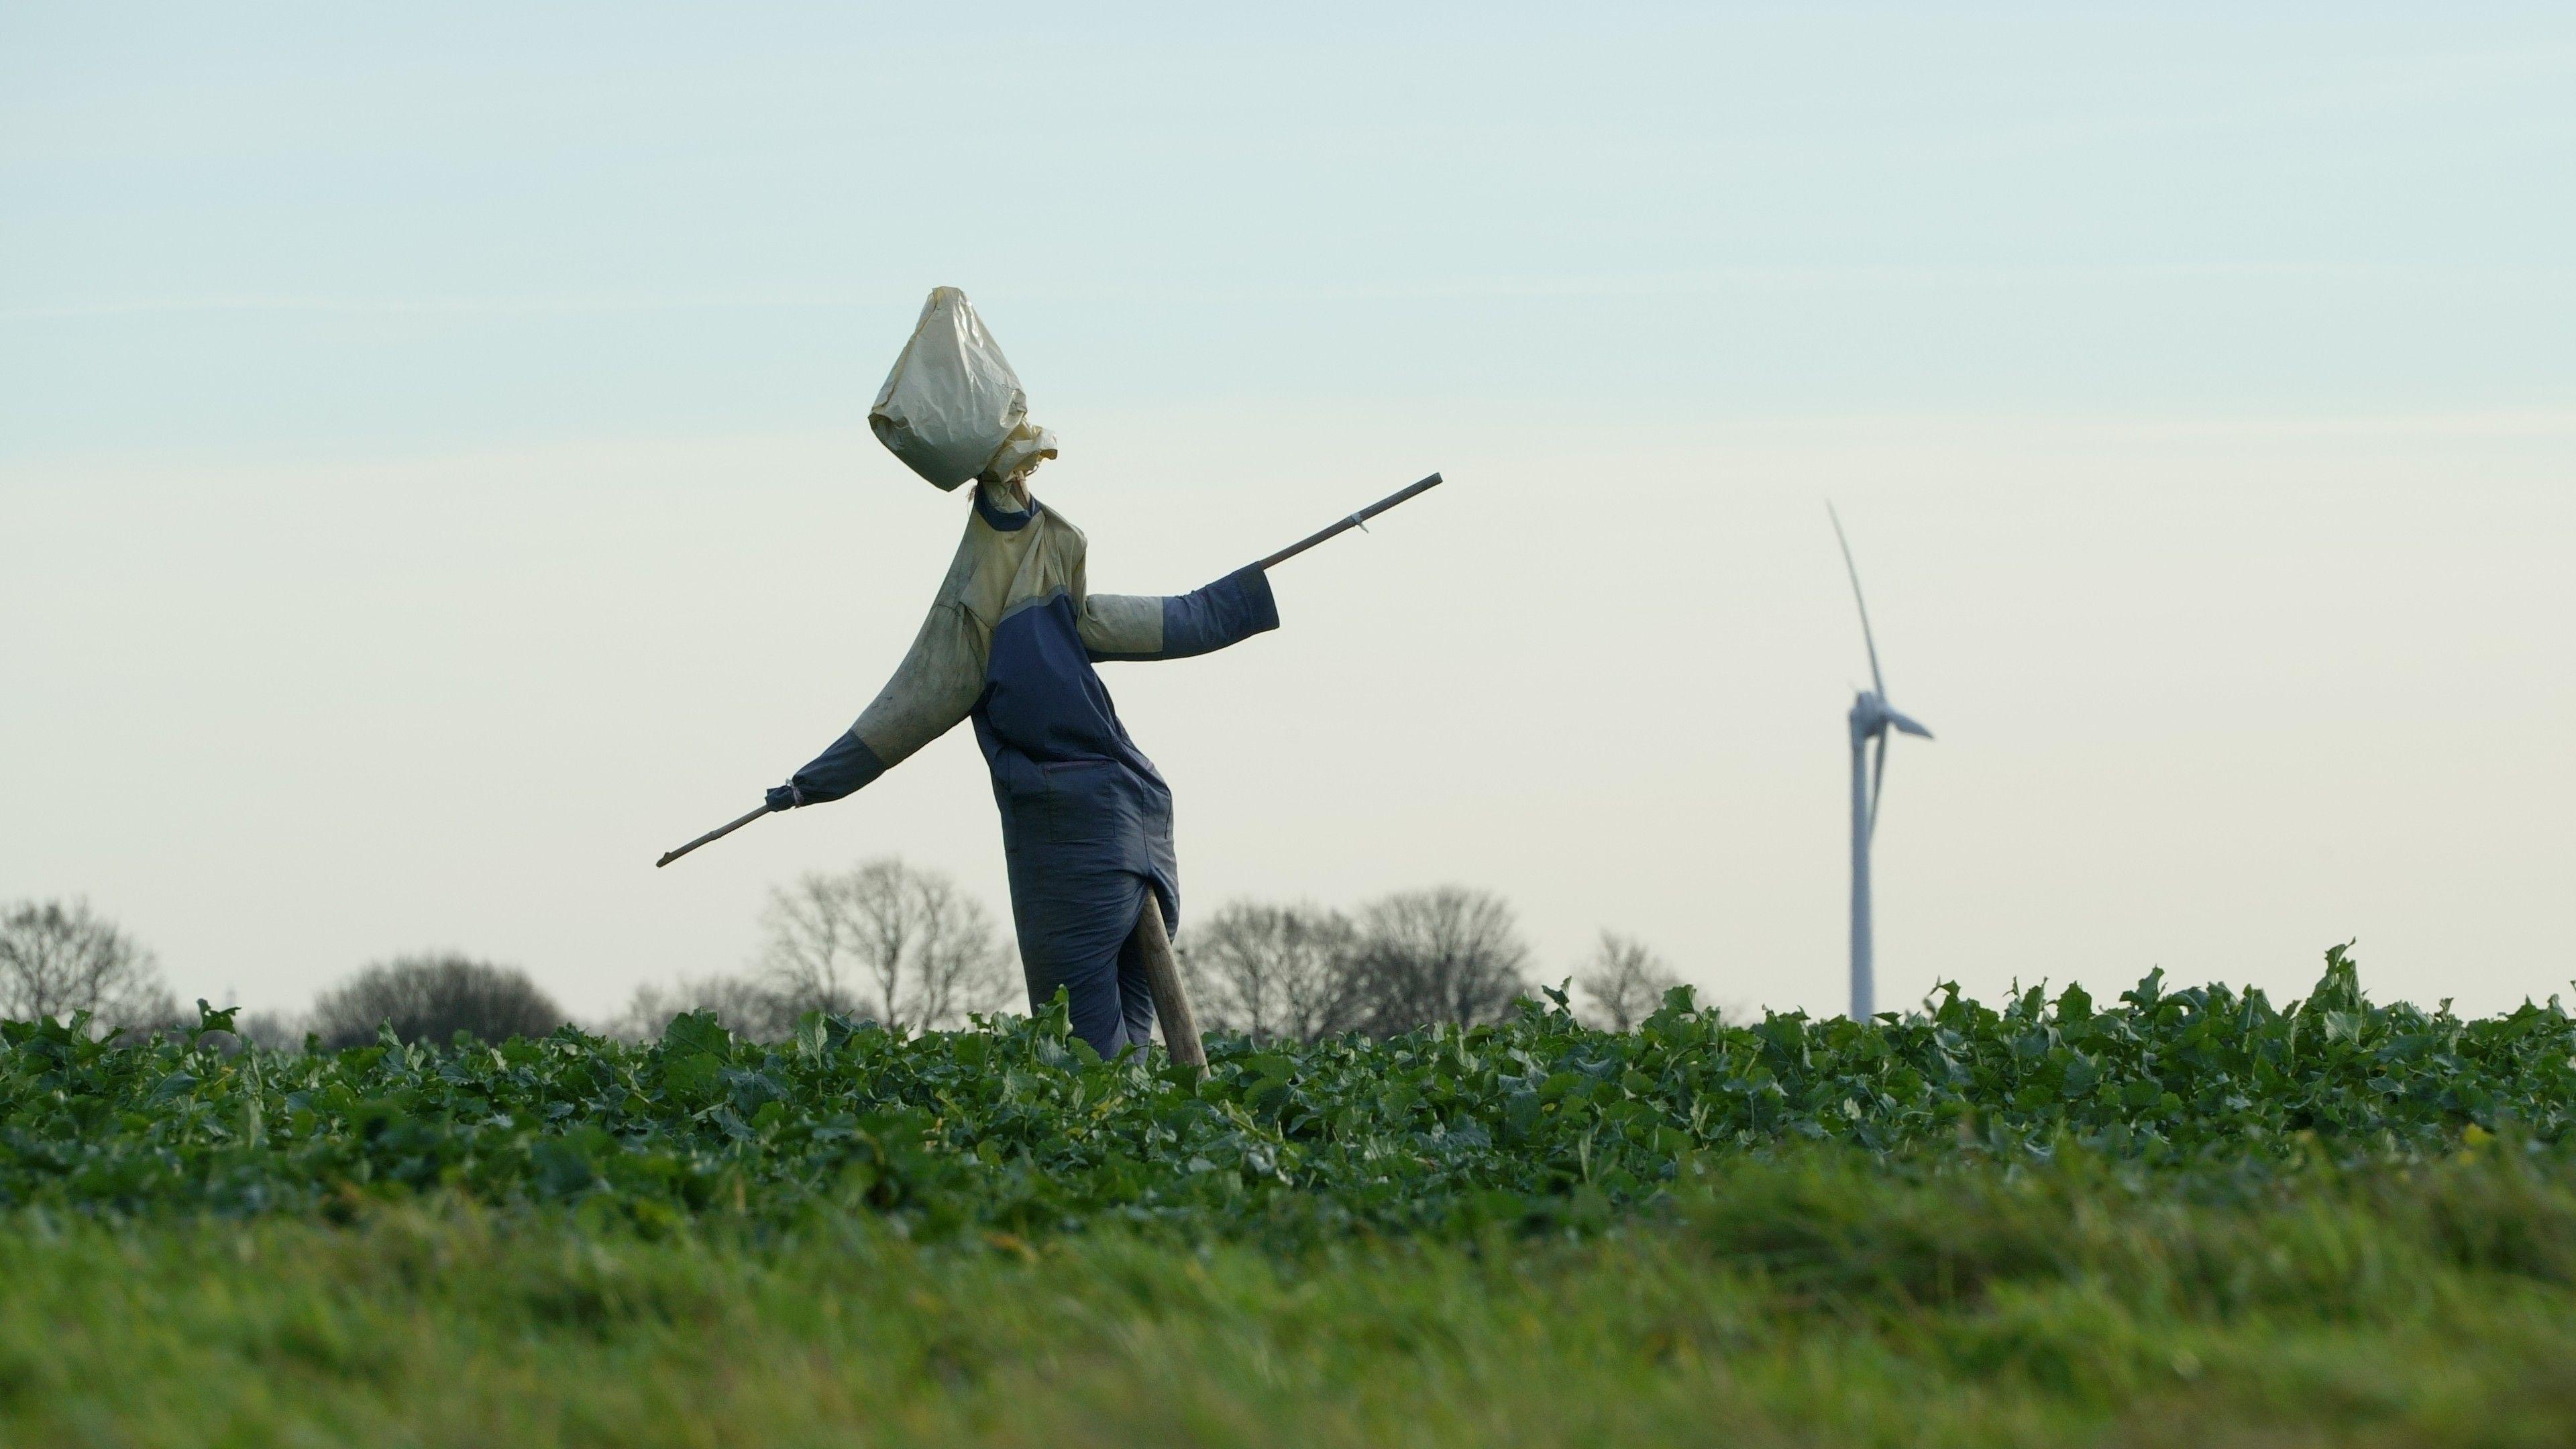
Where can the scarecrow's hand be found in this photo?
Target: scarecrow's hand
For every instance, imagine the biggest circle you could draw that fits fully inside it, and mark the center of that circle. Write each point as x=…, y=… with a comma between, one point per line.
x=846, y=766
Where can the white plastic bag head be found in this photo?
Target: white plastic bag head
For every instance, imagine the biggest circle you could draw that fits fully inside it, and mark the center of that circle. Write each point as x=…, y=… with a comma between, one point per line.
x=952, y=409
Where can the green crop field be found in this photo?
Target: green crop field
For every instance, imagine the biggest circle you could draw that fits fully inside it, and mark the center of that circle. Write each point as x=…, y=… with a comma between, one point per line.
x=2188, y=1216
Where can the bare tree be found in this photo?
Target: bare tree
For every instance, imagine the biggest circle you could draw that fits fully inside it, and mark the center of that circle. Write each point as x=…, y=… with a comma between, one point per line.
x=750, y=1009
x=1623, y=983
x=883, y=940
x=957, y=964
x=431, y=999
x=1444, y=955
x=1274, y=973
x=56, y=960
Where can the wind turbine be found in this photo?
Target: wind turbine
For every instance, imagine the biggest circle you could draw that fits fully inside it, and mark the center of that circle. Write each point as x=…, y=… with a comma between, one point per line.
x=1871, y=719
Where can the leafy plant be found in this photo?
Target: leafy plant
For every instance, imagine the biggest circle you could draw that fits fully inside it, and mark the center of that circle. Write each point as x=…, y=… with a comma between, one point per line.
x=1018, y=1126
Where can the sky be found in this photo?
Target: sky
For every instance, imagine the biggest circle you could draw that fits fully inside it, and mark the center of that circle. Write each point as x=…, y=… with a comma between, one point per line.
x=434, y=477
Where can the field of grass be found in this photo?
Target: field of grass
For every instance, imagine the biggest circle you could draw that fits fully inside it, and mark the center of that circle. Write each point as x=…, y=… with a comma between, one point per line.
x=2188, y=1217
x=1811, y=1298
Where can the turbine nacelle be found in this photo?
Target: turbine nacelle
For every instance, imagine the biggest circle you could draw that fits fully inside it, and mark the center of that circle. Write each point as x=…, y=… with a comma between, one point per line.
x=1872, y=718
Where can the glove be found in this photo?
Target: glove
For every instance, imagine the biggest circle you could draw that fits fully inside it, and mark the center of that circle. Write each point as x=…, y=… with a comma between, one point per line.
x=785, y=797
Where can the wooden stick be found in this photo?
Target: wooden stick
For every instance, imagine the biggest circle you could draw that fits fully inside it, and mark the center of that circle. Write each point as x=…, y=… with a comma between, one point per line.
x=1171, y=997
x=719, y=833
x=1354, y=521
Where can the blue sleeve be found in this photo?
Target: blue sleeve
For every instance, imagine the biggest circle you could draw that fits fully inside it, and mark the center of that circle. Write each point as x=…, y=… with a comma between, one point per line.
x=846, y=766
x=1229, y=611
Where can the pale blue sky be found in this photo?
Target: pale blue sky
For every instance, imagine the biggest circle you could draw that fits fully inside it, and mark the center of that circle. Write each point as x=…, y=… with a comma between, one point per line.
x=416, y=420
x=325, y=229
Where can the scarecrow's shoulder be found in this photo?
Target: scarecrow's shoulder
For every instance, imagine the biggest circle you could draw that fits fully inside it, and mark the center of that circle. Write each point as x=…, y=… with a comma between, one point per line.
x=1055, y=555
x=1060, y=531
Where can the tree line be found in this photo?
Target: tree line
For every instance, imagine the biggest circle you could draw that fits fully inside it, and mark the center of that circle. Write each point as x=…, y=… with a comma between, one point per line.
x=888, y=942
x=1449, y=954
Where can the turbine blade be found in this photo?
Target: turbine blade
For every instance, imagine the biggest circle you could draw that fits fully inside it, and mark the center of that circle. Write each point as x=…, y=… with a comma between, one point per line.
x=1906, y=725
x=1866, y=637
x=1877, y=783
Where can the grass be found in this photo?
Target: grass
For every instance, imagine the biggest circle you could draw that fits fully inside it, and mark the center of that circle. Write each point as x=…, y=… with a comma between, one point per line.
x=1816, y=1296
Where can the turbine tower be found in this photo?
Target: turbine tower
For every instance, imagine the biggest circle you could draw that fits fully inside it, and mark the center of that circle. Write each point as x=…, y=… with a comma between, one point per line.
x=1871, y=719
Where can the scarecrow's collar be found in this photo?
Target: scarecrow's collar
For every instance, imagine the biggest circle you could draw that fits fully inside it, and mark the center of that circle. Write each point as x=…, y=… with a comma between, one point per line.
x=1006, y=522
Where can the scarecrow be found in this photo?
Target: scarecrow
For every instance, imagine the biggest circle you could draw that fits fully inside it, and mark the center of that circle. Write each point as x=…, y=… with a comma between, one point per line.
x=1010, y=643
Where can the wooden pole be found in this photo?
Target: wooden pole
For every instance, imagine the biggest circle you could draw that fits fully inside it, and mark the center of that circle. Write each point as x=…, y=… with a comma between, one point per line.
x=1354, y=521
x=719, y=833
x=1171, y=997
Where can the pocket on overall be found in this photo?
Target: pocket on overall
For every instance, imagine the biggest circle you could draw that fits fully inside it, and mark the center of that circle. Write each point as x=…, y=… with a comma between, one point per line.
x=1088, y=804
x=1020, y=791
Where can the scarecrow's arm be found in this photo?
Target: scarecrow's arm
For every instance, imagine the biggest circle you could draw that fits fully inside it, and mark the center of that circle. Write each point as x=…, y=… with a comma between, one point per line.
x=1176, y=626
x=931, y=691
